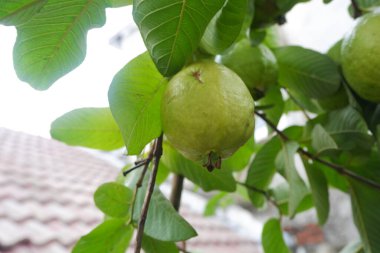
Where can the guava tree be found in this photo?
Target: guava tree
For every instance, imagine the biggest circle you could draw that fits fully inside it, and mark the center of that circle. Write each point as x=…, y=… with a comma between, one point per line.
x=186, y=108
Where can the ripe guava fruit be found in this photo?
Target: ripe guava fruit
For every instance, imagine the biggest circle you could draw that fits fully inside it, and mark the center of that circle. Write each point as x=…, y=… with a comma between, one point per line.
x=360, y=57
x=207, y=113
x=256, y=66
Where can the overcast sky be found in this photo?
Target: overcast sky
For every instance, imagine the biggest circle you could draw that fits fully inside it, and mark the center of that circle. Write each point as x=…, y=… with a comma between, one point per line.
x=313, y=25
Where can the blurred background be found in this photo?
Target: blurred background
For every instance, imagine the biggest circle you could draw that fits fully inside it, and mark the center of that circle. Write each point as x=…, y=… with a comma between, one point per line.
x=26, y=115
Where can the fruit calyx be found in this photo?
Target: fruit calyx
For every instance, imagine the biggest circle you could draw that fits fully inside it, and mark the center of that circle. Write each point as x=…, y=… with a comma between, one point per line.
x=213, y=161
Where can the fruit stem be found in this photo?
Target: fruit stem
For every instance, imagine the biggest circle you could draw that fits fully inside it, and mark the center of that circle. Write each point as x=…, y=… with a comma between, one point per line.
x=357, y=11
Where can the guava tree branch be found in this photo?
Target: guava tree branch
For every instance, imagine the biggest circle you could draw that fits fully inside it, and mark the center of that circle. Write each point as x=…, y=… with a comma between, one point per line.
x=338, y=168
x=157, y=153
x=357, y=11
x=176, y=193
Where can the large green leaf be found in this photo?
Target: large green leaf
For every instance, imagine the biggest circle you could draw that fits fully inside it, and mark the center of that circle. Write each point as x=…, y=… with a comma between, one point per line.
x=88, y=127
x=118, y=3
x=272, y=239
x=163, y=221
x=216, y=180
x=353, y=247
x=112, y=236
x=368, y=5
x=241, y=158
x=225, y=27
x=262, y=170
x=113, y=199
x=18, y=12
x=319, y=191
x=53, y=42
x=297, y=187
x=274, y=102
x=172, y=30
x=307, y=72
x=135, y=101
x=321, y=140
x=151, y=245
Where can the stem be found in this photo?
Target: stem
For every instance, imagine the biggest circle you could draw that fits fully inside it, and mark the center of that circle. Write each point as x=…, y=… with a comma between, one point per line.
x=157, y=153
x=175, y=196
x=357, y=11
x=338, y=168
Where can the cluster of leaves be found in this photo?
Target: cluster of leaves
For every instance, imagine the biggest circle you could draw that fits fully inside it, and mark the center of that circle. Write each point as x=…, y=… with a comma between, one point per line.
x=341, y=136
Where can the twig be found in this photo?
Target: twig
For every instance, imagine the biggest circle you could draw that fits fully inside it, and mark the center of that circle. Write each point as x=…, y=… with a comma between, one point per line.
x=183, y=250
x=176, y=193
x=357, y=11
x=157, y=153
x=262, y=192
x=338, y=168
x=138, y=164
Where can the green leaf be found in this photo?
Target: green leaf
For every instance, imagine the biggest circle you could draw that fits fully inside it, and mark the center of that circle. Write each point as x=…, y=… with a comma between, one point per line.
x=273, y=99
x=151, y=245
x=319, y=191
x=321, y=140
x=272, y=239
x=163, y=221
x=135, y=101
x=118, y=3
x=225, y=27
x=353, y=247
x=53, y=42
x=241, y=158
x=216, y=180
x=112, y=236
x=113, y=199
x=365, y=205
x=262, y=170
x=172, y=30
x=307, y=72
x=368, y=5
x=88, y=127
x=213, y=203
x=297, y=187
x=18, y=12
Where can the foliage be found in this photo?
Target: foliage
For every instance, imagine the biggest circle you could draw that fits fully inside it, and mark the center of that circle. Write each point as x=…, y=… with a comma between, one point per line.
x=338, y=145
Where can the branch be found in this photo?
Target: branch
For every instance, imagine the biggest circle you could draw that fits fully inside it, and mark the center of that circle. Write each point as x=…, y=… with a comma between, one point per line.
x=175, y=196
x=157, y=153
x=357, y=11
x=338, y=168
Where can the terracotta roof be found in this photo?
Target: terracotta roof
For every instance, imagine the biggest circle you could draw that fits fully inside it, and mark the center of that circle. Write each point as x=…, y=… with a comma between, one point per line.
x=46, y=200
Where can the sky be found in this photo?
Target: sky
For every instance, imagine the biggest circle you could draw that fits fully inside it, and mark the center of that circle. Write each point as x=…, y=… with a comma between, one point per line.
x=312, y=25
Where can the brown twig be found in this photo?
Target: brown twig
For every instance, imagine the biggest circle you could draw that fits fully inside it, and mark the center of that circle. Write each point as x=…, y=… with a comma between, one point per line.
x=357, y=11
x=157, y=153
x=176, y=193
x=338, y=168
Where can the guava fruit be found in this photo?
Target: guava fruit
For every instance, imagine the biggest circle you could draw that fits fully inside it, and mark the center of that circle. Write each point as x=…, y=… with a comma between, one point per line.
x=256, y=66
x=360, y=57
x=207, y=113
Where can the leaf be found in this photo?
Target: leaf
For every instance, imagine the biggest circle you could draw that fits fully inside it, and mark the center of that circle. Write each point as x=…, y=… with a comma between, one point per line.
x=307, y=72
x=273, y=99
x=118, y=3
x=88, y=127
x=217, y=180
x=272, y=239
x=368, y=5
x=319, y=191
x=365, y=205
x=241, y=158
x=135, y=101
x=112, y=236
x=113, y=199
x=172, y=30
x=353, y=247
x=18, y=12
x=163, y=221
x=262, y=170
x=321, y=140
x=225, y=27
x=213, y=203
x=53, y=42
x=297, y=187
x=151, y=245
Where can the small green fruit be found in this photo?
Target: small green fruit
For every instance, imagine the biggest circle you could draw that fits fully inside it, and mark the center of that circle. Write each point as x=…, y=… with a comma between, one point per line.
x=207, y=113
x=361, y=57
x=256, y=66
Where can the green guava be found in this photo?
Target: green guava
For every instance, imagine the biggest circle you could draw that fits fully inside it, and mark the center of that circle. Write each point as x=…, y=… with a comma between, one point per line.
x=360, y=57
x=207, y=113
x=256, y=66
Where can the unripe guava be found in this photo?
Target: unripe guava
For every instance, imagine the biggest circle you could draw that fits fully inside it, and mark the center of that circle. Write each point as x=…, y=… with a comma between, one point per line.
x=360, y=57
x=256, y=66
x=207, y=113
